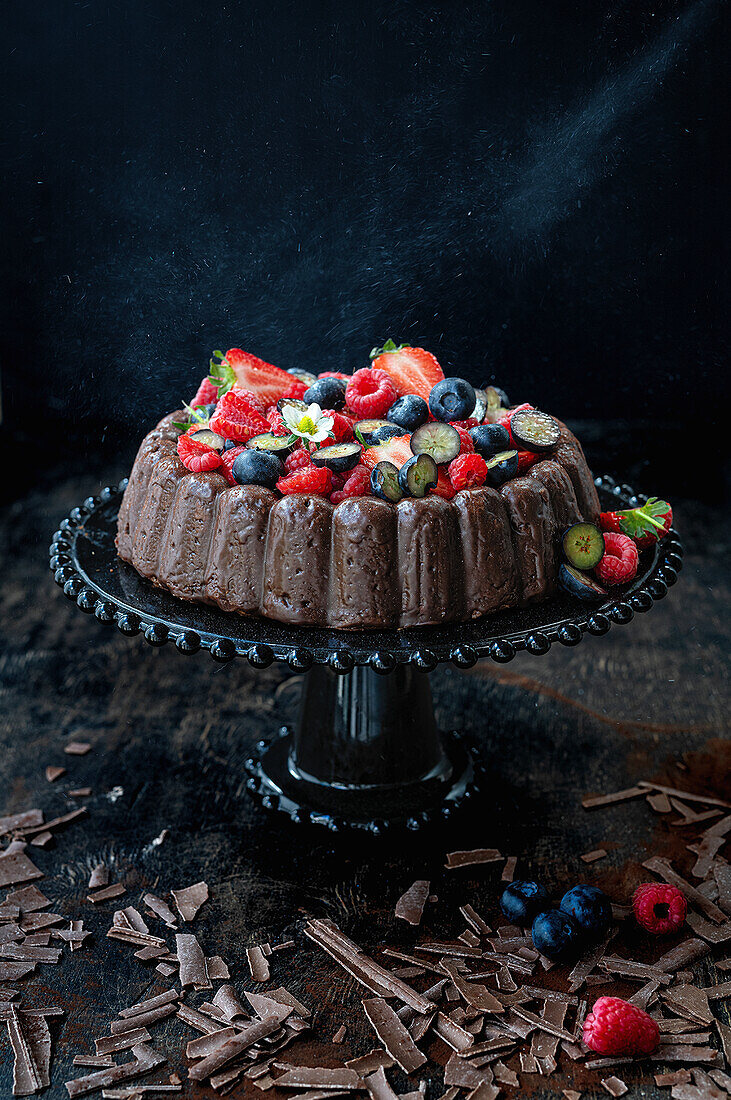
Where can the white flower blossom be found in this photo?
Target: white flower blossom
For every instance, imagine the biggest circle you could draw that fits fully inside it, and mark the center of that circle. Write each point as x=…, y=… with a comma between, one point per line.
x=311, y=426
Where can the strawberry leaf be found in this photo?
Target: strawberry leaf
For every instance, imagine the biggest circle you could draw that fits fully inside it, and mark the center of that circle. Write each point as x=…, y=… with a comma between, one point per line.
x=388, y=346
x=645, y=520
x=222, y=375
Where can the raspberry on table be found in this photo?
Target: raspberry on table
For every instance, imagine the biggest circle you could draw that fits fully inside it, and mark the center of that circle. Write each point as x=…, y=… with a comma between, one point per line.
x=620, y=560
x=357, y=484
x=298, y=460
x=467, y=471
x=239, y=415
x=370, y=393
x=659, y=908
x=207, y=393
x=196, y=456
x=313, y=480
x=617, y=1027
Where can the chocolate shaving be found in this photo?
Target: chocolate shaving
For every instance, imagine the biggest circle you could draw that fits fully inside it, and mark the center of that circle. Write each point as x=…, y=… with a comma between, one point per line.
x=94, y=1061
x=461, y=951
x=722, y=877
x=542, y=1023
x=471, y=858
x=142, y=1019
x=152, y=1002
x=53, y=772
x=106, y=894
x=196, y=1019
x=718, y=992
x=706, y=799
x=689, y=1001
x=340, y=1034
x=56, y=823
x=593, y=856
x=660, y=803
x=209, y=1044
x=714, y=933
x=161, y=909
x=320, y=1077
x=283, y=997
x=217, y=969
x=42, y=840
x=458, y=1038
x=112, y=1044
x=34, y=922
x=663, y=869
x=410, y=906
x=79, y=792
x=258, y=965
x=13, y=822
x=465, y=1075
x=724, y=1034
x=684, y=953
x=583, y=968
x=643, y=997
x=628, y=968
x=12, y=971
x=145, y=1060
x=99, y=876
x=226, y=999
x=477, y=996
x=189, y=900
x=378, y=1087
x=369, y=1063
x=593, y=802
x=192, y=961
x=77, y=748
x=17, y=867
x=134, y=920
x=22, y=952
x=679, y=1077
x=475, y=921
x=393, y=1035
x=614, y=1086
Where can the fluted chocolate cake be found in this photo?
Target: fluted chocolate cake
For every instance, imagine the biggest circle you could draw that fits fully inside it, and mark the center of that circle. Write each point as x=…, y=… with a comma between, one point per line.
x=393, y=497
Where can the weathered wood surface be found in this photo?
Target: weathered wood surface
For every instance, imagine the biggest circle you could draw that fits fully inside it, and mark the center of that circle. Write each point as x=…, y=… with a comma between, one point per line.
x=169, y=735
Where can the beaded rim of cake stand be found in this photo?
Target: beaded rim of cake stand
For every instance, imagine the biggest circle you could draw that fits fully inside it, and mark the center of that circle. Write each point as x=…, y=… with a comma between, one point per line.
x=334, y=648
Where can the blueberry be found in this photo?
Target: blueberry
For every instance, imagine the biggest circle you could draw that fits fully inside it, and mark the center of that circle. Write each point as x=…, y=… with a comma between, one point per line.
x=439, y=440
x=340, y=458
x=490, y=439
x=501, y=468
x=418, y=475
x=328, y=393
x=580, y=584
x=257, y=468
x=229, y=444
x=555, y=934
x=409, y=412
x=211, y=439
x=452, y=399
x=385, y=482
x=534, y=430
x=522, y=900
x=372, y=432
x=207, y=409
x=583, y=545
x=590, y=907
x=493, y=392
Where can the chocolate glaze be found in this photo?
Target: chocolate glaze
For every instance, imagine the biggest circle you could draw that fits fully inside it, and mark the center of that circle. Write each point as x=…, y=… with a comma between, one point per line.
x=364, y=564
x=235, y=570
x=491, y=578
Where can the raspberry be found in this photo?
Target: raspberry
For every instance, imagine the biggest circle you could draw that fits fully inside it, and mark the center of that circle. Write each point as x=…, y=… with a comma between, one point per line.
x=313, y=480
x=342, y=427
x=227, y=460
x=297, y=390
x=370, y=393
x=197, y=457
x=358, y=484
x=298, y=460
x=276, y=421
x=239, y=415
x=444, y=487
x=659, y=908
x=616, y=1027
x=334, y=374
x=468, y=445
x=207, y=394
x=619, y=563
x=466, y=424
x=467, y=471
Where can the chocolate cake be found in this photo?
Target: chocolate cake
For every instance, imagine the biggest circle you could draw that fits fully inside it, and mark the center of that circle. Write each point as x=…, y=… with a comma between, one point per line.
x=363, y=562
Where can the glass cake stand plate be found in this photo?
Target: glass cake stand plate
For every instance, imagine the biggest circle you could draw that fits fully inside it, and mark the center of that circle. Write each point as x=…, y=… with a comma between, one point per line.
x=365, y=752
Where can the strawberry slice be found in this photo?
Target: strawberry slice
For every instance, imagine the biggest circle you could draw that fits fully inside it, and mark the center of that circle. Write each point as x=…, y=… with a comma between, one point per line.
x=444, y=487
x=397, y=450
x=266, y=381
x=412, y=370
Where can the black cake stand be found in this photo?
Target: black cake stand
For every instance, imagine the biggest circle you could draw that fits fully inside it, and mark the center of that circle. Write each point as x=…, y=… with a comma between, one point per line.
x=365, y=752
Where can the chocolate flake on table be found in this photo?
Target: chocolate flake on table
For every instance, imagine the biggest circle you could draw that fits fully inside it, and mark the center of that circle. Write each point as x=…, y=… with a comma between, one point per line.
x=161, y=909
x=77, y=748
x=189, y=900
x=109, y=892
x=31, y=1042
x=378, y=1086
x=79, y=792
x=614, y=1086
x=659, y=802
x=121, y=1027
x=92, y=1061
x=217, y=969
x=42, y=840
x=113, y=1044
x=593, y=802
x=593, y=856
x=192, y=961
x=56, y=823
x=321, y=1077
x=340, y=1034
x=628, y=968
x=458, y=1038
x=17, y=867
x=145, y=1060
x=152, y=1002
x=227, y=1001
x=472, y=858
x=258, y=965
x=99, y=876
x=714, y=933
x=410, y=906
x=250, y=1034
x=508, y=873
x=206, y=1045
x=679, y=956
x=54, y=772
x=12, y=822
x=689, y=1001
x=369, y=1063
x=393, y=1035
x=21, y=952
x=196, y=1019
x=587, y=962
x=34, y=922
x=475, y=995
x=718, y=992
x=645, y=996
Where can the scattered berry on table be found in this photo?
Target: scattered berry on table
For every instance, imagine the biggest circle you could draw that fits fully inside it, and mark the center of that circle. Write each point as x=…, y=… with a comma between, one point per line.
x=590, y=907
x=418, y=475
x=268, y=382
x=257, y=468
x=522, y=900
x=370, y=392
x=452, y=399
x=490, y=439
x=328, y=393
x=298, y=460
x=206, y=393
x=357, y=484
x=583, y=545
x=441, y=441
x=467, y=471
x=238, y=417
x=555, y=934
x=617, y=1027
x=659, y=908
x=412, y=370
x=620, y=560
x=409, y=412
x=310, y=480
x=197, y=457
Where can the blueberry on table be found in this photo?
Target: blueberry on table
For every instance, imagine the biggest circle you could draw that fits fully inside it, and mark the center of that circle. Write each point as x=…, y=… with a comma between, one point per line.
x=534, y=430
x=452, y=399
x=385, y=482
x=583, y=545
x=501, y=468
x=409, y=412
x=590, y=908
x=257, y=468
x=522, y=900
x=211, y=439
x=339, y=458
x=372, y=432
x=441, y=441
x=555, y=934
x=418, y=475
x=280, y=445
x=490, y=439
x=580, y=584
x=328, y=393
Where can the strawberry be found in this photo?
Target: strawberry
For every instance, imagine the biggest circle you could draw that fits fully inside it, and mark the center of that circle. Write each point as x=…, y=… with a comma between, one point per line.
x=444, y=487
x=398, y=451
x=207, y=393
x=269, y=383
x=646, y=524
x=412, y=370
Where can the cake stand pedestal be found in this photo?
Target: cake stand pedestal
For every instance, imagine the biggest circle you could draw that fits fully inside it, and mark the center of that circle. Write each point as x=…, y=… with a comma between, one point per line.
x=366, y=752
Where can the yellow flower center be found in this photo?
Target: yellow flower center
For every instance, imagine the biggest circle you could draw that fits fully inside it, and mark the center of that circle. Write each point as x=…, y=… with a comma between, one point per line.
x=307, y=424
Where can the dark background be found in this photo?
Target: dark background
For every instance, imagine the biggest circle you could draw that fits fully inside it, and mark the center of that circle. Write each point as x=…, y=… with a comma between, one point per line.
x=531, y=190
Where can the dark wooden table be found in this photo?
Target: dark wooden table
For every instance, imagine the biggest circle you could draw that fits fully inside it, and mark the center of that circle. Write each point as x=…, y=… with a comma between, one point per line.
x=169, y=734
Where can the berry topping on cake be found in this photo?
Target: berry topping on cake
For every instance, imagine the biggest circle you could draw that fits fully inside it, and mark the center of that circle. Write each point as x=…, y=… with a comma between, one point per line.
x=501, y=468
x=370, y=393
x=490, y=439
x=279, y=445
x=385, y=482
x=409, y=412
x=256, y=468
x=617, y=1027
x=339, y=458
x=452, y=399
x=496, y=404
x=342, y=429
x=444, y=487
x=205, y=435
x=310, y=480
x=238, y=416
x=583, y=545
x=268, y=382
x=296, y=389
x=467, y=471
x=227, y=460
x=328, y=393
x=439, y=440
x=197, y=456
x=418, y=475
x=467, y=446
x=206, y=394
x=412, y=370
x=308, y=422
x=620, y=560
x=372, y=432
x=397, y=450
x=659, y=908
x=646, y=524
x=357, y=484
x=298, y=460
x=534, y=431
